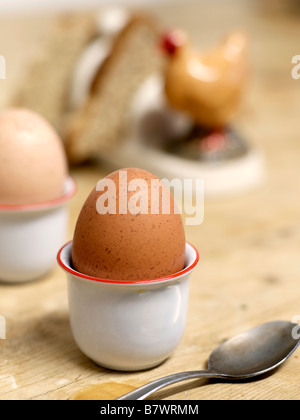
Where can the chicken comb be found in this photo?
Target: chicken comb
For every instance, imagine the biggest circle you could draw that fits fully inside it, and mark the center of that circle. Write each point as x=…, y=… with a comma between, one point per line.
x=172, y=40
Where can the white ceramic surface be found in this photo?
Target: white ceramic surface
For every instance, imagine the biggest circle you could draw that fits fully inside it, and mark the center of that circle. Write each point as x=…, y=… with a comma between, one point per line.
x=30, y=236
x=128, y=325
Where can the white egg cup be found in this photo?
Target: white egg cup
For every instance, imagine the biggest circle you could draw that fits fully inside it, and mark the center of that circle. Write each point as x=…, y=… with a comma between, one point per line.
x=127, y=325
x=30, y=236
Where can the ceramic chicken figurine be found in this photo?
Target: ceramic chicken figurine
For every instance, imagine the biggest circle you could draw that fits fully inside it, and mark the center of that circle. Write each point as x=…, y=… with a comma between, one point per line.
x=206, y=86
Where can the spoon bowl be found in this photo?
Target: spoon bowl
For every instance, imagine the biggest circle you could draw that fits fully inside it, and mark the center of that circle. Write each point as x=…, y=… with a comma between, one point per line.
x=244, y=356
x=255, y=351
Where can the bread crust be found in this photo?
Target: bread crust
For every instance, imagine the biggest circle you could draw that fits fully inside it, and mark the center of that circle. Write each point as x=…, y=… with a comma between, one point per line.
x=134, y=53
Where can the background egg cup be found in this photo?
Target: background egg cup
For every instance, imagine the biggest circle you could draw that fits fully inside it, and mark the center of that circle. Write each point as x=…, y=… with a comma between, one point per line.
x=128, y=325
x=31, y=235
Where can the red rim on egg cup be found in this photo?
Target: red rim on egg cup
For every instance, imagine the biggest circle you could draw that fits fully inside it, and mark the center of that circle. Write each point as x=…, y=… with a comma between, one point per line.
x=70, y=191
x=185, y=271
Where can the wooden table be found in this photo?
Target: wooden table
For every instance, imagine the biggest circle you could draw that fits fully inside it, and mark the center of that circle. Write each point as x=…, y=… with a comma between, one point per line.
x=249, y=244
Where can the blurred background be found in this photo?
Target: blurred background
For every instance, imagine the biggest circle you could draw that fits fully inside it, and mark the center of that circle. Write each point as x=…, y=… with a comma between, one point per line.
x=270, y=97
x=19, y=6
x=16, y=6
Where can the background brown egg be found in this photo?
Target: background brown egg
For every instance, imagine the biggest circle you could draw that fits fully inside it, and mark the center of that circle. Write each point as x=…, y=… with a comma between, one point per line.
x=33, y=163
x=129, y=246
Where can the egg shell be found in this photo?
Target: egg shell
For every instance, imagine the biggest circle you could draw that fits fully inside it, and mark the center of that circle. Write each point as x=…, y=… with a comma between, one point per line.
x=33, y=163
x=129, y=247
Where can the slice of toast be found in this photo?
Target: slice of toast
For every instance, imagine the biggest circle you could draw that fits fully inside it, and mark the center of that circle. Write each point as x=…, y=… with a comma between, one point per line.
x=99, y=124
x=46, y=85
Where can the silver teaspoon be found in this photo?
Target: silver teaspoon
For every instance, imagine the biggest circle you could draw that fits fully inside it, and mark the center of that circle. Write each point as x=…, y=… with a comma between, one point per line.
x=244, y=356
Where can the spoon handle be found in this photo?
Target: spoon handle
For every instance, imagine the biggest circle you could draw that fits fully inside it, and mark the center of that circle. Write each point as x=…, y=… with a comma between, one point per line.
x=148, y=389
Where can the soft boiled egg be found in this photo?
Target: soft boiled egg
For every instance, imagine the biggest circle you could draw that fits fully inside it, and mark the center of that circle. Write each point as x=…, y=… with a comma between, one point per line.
x=33, y=163
x=129, y=229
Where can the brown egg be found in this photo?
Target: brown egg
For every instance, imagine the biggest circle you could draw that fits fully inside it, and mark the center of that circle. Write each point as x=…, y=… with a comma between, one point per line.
x=138, y=245
x=33, y=163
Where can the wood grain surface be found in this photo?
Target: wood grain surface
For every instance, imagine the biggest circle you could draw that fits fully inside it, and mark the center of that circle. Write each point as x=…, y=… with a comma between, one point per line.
x=249, y=245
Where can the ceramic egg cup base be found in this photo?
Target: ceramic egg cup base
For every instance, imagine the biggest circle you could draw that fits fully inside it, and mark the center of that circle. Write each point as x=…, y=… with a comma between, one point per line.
x=31, y=236
x=128, y=326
